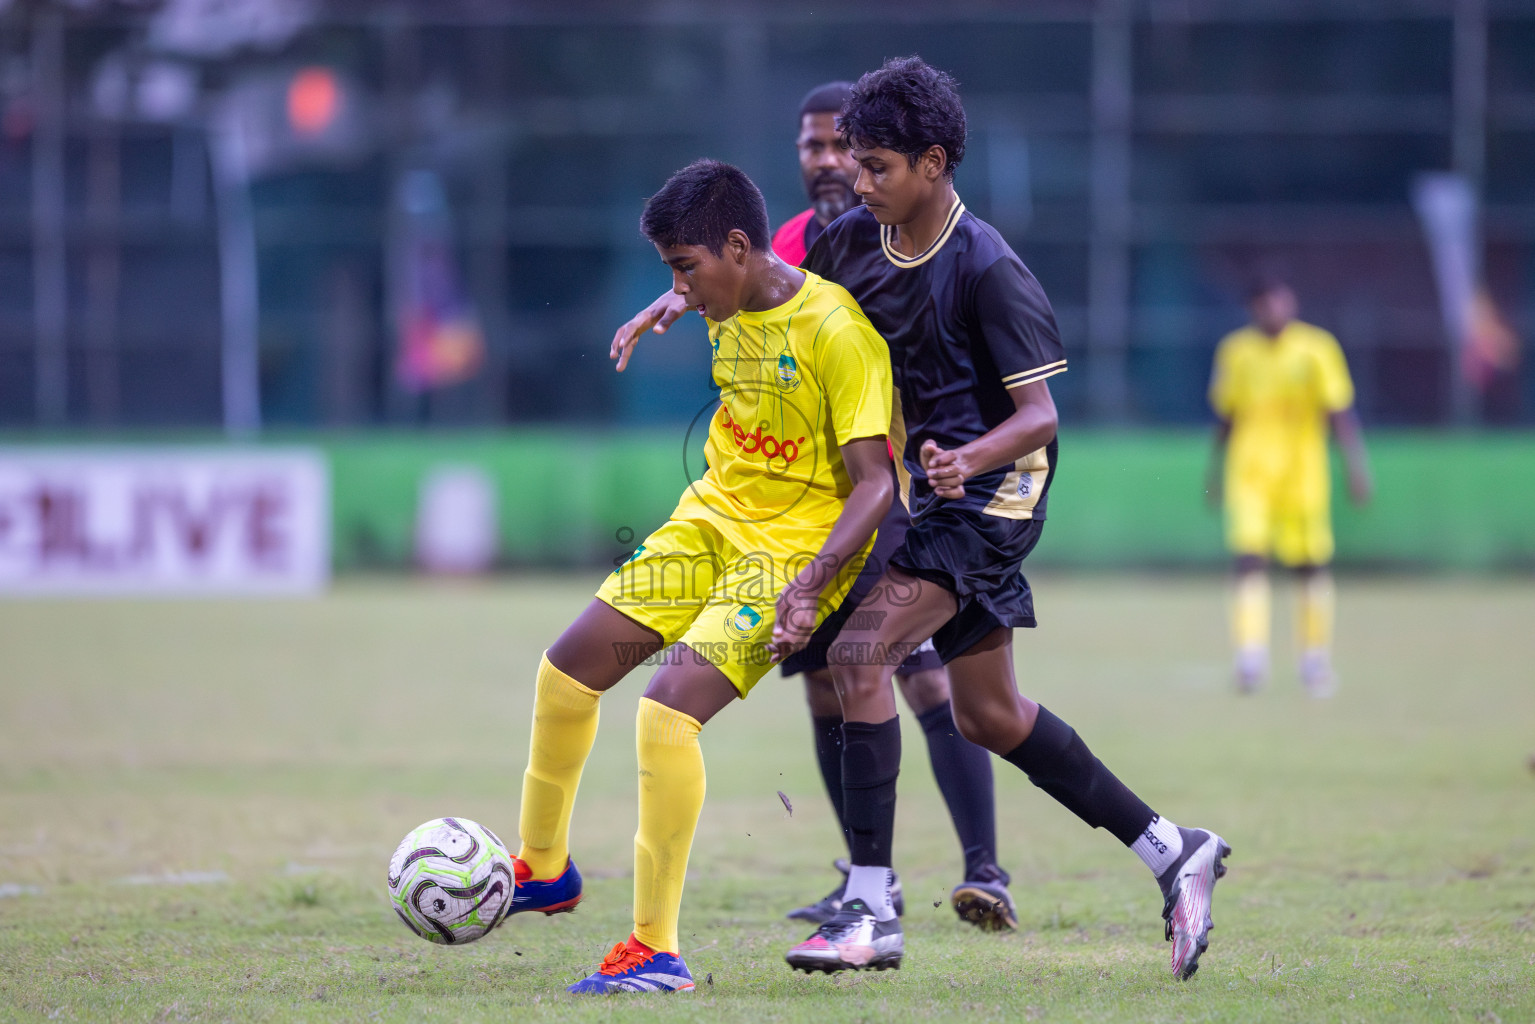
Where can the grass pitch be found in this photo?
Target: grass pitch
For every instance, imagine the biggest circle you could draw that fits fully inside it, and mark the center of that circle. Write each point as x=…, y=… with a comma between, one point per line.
x=198, y=800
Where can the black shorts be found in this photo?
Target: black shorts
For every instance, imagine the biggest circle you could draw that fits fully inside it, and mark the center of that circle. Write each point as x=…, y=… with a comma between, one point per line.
x=978, y=558
x=812, y=657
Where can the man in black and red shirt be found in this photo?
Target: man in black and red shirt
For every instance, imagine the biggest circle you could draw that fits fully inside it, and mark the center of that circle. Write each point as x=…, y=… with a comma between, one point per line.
x=828, y=169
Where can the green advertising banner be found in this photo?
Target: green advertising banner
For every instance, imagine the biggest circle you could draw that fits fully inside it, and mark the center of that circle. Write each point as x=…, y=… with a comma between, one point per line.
x=1121, y=499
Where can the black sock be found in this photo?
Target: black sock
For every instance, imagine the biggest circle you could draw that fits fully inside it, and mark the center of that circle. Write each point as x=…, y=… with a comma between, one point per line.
x=1058, y=762
x=963, y=771
x=828, y=753
x=871, y=760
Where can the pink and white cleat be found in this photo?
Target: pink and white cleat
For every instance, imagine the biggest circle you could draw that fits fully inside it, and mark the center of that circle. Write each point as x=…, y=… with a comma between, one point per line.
x=853, y=940
x=1187, y=888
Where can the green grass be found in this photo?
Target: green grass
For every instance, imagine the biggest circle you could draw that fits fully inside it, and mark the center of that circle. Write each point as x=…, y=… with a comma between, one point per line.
x=198, y=800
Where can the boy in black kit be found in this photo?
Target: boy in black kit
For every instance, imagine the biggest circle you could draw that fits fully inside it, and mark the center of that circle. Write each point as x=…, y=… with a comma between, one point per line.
x=972, y=341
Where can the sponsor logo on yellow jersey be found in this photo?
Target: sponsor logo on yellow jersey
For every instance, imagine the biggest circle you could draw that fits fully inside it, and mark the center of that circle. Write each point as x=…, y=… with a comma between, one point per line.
x=755, y=443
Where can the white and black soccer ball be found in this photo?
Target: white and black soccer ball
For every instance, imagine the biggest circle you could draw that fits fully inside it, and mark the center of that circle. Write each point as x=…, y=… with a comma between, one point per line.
x=451, y=880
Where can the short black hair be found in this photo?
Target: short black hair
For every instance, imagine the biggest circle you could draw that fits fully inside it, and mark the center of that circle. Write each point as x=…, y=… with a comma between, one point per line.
x=701, y=204
x=1266, y=282
x=827, y=98
x=906, y=106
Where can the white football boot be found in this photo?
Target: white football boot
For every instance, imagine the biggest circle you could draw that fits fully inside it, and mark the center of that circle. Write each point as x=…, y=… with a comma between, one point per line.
x=1187, y=888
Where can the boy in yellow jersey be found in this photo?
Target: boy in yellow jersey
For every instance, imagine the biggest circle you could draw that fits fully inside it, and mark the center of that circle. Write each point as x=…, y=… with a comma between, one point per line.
x=1277, y=386
x=759, y=549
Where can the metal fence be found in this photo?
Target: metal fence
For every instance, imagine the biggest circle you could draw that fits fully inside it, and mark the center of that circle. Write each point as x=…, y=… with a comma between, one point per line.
x=194, y=234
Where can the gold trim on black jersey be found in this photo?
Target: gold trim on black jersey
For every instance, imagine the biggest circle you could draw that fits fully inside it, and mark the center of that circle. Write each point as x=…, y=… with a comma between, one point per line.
x=905, y=262
x=1019, y=491
x=1015, y=380
x=898, y=447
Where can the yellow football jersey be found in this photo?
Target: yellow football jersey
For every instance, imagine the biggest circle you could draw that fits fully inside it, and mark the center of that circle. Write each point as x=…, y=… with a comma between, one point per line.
x=1277, y=393
x=796, y=382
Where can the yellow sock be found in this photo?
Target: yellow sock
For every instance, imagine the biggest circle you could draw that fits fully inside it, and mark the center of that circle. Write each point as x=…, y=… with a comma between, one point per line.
x=1250, y=612
x=671, y=798
x=1316, y=613
x=564, y=726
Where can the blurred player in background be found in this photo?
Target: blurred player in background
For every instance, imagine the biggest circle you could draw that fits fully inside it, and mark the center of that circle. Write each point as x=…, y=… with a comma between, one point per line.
x=757, y=552
x=962, y=769
x=1277, y=386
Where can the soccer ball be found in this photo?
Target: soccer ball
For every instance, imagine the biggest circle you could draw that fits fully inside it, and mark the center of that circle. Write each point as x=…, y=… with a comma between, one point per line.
x=451, y=880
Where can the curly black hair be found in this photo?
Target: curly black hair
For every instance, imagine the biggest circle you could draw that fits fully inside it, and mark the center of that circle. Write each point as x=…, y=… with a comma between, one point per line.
x=701, y=204
x=906, y=106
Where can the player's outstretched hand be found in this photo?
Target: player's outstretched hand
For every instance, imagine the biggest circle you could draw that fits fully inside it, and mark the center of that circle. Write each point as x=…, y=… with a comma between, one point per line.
x=657, y=317
x=795, y=620
x=946, y=470
x=1360, y=487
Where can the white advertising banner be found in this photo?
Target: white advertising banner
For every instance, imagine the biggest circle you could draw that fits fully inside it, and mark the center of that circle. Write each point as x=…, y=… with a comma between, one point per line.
x=163, y=520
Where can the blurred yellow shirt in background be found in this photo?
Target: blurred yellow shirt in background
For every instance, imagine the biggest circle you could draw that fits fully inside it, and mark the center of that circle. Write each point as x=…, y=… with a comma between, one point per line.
x=1277, y=394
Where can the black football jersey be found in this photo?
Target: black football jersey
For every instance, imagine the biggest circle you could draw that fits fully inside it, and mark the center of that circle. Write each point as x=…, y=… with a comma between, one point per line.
x=965, y=322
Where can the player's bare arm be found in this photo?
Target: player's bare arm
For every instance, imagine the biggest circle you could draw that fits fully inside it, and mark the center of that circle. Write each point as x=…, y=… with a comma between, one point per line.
x=867, y=461
x=1213, y=478
x=1350, y=435
x=1029, y=428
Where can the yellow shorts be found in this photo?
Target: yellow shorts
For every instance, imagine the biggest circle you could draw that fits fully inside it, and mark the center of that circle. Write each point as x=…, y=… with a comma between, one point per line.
x=693, y=586
x=1293, y=533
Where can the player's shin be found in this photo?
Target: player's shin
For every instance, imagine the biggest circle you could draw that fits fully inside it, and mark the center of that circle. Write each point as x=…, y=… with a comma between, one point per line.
x=1058, y=762
x=1316, y=612
x=963, y=772
x=564, y=726
x=1250, y=614
x=1315, y=628
x=828, y=754
x=1185, y=862
x=871, y=760
x=671, y=765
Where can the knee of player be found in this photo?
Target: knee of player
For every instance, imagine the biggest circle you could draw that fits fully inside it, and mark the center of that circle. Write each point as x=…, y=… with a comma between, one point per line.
x=856, y=677
x=995, y=732
x=1249, y=564
x=821, y=693
x=925, y=689
x=819, y=683
x=971, y=726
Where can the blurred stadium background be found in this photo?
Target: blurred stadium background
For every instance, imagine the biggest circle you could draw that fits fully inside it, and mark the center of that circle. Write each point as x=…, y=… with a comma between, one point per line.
x=402, y=233
x=295, y=288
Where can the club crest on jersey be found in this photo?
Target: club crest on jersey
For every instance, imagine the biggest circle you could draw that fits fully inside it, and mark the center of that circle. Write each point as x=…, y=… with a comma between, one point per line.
x=743, y=622
x=1025, y=484
x=788, y=373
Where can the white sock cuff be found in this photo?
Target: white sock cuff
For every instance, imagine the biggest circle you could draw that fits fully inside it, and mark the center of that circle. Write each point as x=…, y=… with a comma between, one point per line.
x=872, y=885
x=1159, y=845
